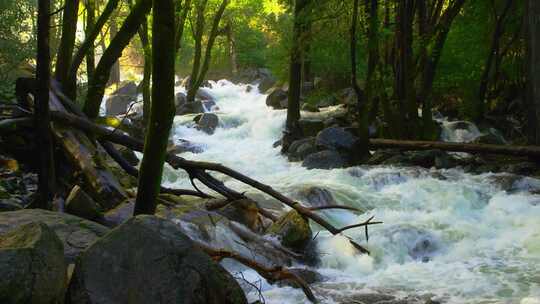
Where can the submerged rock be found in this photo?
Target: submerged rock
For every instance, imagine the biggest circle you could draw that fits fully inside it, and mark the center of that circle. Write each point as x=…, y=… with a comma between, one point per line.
x=293, y=230
x=299, y=149
x=317, y=197
x=75, y=233
x=207, y=122
x=32, y=267
x=162, y=265
x=338, y=139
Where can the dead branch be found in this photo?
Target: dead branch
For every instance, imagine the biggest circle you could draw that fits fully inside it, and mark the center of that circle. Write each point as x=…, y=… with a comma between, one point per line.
x=334, y=207
x=271, y=274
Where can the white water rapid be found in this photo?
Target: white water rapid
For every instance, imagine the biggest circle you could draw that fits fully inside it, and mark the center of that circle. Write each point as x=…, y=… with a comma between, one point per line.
x=456, y=237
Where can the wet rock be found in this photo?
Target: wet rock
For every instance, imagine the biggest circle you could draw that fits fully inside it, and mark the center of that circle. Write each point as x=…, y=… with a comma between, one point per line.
x=506, y=182
x=277, y=99
x=82, y=205
x=182, y=146
x=161, y=258
x=128, y=155
x=380, y=156
x=204, y=94
x=309, y=276
x=301, y=148
x=317, y=197
x=119, y=214
x=180, y=99
x=244, y=211
x=492, y=137
x=337, y=139
x=327, y=159
x=128, y=88
x=75, y=233
x=32, y=267
x=293, y=230
x=118, y=104
x=426, y=159
x=421, y=245
x=370, y=298
x=311, y=127
x=207, y=122
x=522, y=168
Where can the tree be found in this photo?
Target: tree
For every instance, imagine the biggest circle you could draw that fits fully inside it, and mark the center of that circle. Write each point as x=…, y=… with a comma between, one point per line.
x=198, y=72
x=46, y=169
x=67, y=42
x=162, y=108
x=90, y=22
x=292, y=127
x=533, y=70
x=96, y=85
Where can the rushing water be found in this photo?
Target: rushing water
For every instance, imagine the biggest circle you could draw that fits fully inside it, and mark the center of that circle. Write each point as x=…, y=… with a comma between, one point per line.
x=455, y=236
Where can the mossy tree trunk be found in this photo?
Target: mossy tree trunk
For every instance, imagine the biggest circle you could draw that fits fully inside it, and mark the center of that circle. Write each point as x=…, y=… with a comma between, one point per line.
x=162, y=108
x=96, y=86
x=90, y=55
x=114, y=77
x=42, y=116
x=533, y=70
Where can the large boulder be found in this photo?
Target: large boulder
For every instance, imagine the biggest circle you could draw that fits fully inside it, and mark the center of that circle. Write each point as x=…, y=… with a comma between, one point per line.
x=127, y=88
x=310, y=126
x=32, y=267
x=75, y=233
x=277, y=99
x=338, y=139
x=317, y=197
x=204, y=94
x=327, y=159
x=293, y=230
x=118, y=104
x=207, y=122
x=299, y=149
x=149, y=260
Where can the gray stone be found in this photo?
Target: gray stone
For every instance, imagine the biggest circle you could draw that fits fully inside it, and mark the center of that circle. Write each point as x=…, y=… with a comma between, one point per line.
x=32, y=267
x=317, y=197
x=293, y=230
x=118, y=104
x=204, y=94
x=338, y=139
x=127, y=88
x=311, y=127
x=207, y=122
x=150, y=260
x=75, y=233
x=324, y=160
x=277, y=99
x=81, y=204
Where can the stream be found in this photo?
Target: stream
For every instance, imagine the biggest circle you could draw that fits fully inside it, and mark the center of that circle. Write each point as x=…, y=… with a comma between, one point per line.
x=447, y=235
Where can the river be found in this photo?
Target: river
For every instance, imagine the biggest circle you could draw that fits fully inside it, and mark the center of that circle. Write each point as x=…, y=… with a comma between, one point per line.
x=456, y=237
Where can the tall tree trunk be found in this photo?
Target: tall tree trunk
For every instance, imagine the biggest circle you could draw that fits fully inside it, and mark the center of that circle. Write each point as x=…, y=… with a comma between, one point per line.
x=363, y=125
x=533, y=70
x=67, y=43
x=162, y=109
x=90, y=23
x=493, y=55
x=292, y=127
x=147, y=73
x=199, y=71
x=372, y=10
x=231, y=48
x=87, y=46
x=42, y=117
x=96, y=87
x=183, y=11
x=114, y=77
x=405, y=90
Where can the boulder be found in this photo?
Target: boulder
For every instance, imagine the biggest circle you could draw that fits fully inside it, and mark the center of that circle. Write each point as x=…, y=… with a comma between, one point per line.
x=244, y=211
x=311, y=127
x=204, y=94
x=299, y=149
x=32, y=267
x=207, y=122
x=128, y=154
x=81, y=204
x=182, y=146
x=308, y=107
x=326, y=159
x=150, y=260
x=128, y=88
x=293, y=230
x=75, y=233
x=266, y=80
x=180, y=99
x=277, y=99
x=338, y=139
x=317, y=197
x=118, y=104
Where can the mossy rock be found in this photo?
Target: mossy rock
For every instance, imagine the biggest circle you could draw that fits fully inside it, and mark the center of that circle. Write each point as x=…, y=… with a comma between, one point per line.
x=32, y=267
x=293, y=230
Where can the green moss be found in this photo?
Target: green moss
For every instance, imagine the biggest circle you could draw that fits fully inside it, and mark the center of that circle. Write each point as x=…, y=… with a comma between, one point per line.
x=293, y=230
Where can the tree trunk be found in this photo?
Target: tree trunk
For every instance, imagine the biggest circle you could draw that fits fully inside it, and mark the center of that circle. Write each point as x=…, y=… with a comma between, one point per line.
x=231, y=48
x=114, y=77
x=363, y=126
x=91, y=55
x=67, y=42
x=372, y=10
x=199, y=71
x=183, y=11
x=292, y=128
x=87, y=46
x=46, y=174
x=147, y=73
x=162, y=108
x=493, y=55
x=96, y=87
x=533, y=70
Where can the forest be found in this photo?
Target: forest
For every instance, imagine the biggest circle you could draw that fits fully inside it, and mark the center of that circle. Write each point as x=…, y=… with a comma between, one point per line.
x=270, y=151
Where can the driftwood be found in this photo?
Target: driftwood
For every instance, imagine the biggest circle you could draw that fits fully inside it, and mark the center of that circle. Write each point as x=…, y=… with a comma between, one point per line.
x=531, y=151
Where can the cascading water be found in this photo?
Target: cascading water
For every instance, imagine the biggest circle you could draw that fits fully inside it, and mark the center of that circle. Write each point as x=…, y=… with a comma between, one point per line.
x=456, y=237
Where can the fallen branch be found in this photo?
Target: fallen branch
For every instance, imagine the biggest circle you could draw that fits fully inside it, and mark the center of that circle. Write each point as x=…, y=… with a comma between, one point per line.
x=334, y=207
x=271, y=274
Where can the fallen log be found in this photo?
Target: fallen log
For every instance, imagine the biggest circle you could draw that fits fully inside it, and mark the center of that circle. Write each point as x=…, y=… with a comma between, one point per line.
x=197, y=170
x=530, y=151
